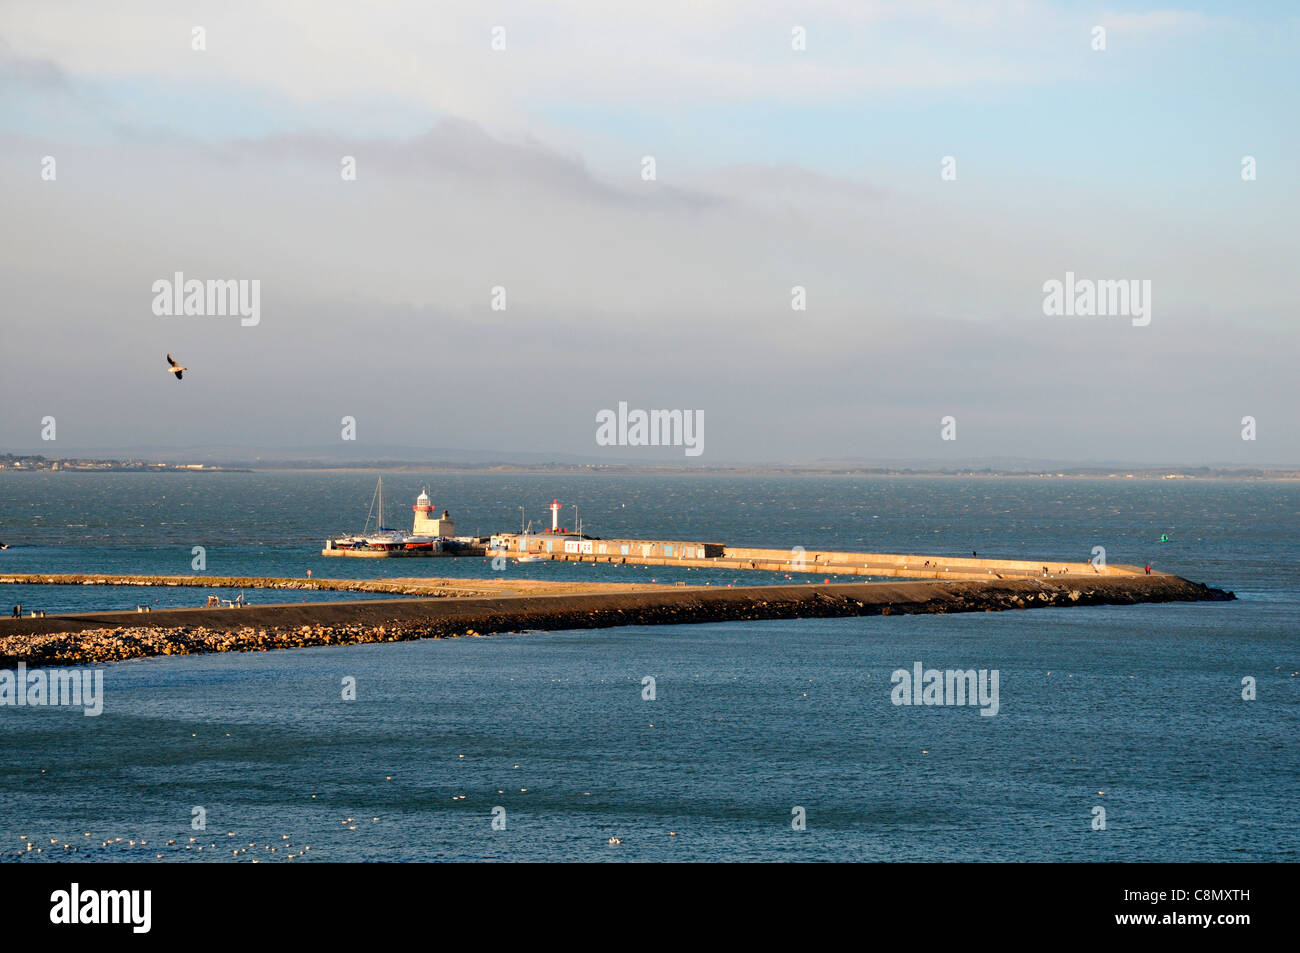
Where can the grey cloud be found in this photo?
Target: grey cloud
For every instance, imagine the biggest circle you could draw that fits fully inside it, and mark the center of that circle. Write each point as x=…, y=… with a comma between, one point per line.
x=917, y=309
x=25, y=75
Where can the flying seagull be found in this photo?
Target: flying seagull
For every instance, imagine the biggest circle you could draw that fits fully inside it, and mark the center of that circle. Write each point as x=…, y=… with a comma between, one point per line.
x=175, y=368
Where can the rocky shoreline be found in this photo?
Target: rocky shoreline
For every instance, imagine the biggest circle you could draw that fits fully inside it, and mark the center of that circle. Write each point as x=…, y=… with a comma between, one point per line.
x=93, y=638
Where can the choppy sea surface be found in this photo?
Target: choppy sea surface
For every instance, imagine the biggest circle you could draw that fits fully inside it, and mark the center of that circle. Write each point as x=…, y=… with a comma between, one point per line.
x=1137, y=711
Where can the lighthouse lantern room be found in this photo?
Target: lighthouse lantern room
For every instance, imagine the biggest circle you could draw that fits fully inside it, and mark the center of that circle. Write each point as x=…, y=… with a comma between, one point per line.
x=426, y=523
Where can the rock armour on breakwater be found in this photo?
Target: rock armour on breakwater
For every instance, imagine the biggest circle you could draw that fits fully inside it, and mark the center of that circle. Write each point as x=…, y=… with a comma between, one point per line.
x=113, y=636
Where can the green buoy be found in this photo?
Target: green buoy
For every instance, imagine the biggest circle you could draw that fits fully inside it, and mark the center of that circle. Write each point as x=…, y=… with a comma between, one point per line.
x=1164, y=537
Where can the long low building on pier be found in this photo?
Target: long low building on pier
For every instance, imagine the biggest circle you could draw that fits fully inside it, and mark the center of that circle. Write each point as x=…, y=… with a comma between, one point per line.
x=574, y=544
x=562, y=546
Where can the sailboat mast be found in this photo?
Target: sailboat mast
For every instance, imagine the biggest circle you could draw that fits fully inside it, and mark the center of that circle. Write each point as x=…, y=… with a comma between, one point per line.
x=371, y=512
x=381, y=504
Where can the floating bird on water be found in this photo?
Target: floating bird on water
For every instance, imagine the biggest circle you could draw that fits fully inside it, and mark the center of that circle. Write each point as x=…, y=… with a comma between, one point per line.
x=175, y=368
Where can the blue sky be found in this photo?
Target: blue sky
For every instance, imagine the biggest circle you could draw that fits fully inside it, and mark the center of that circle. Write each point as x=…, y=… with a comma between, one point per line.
x=1228, y=65
x=1165, y=107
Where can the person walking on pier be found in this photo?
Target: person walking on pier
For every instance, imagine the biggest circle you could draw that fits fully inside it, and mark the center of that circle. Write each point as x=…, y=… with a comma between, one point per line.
x=1148, y=569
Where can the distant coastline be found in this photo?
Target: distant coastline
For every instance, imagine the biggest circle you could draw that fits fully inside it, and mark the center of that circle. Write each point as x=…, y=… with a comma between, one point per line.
x=38, y=463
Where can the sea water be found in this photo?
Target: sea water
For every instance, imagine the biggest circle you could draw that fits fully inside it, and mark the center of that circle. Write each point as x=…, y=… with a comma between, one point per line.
x=1121, y=732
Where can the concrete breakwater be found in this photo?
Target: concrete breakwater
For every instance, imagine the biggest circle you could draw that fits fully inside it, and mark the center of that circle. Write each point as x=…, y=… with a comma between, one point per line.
x=88, y=638
x=396, y=587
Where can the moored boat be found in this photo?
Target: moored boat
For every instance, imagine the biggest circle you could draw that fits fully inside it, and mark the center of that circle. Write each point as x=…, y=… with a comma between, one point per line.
x=387, y=541
x=430, y=535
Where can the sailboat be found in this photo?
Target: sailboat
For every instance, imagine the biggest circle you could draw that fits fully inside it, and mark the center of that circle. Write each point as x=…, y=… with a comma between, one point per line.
x=383, y=537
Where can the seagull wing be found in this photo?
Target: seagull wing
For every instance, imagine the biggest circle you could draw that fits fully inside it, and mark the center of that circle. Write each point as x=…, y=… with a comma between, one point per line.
x=170, y=361
x=178, y=374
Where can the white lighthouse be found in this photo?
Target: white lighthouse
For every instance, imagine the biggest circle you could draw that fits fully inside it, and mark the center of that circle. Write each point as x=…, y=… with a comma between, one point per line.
x=555, y=516
x=428, y=524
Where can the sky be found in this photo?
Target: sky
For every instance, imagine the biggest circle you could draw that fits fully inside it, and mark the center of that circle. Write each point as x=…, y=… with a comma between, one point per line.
x=920, y=169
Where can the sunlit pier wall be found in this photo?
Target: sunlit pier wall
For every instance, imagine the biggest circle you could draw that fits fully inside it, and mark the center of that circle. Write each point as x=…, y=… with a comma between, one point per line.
x=647, y=552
